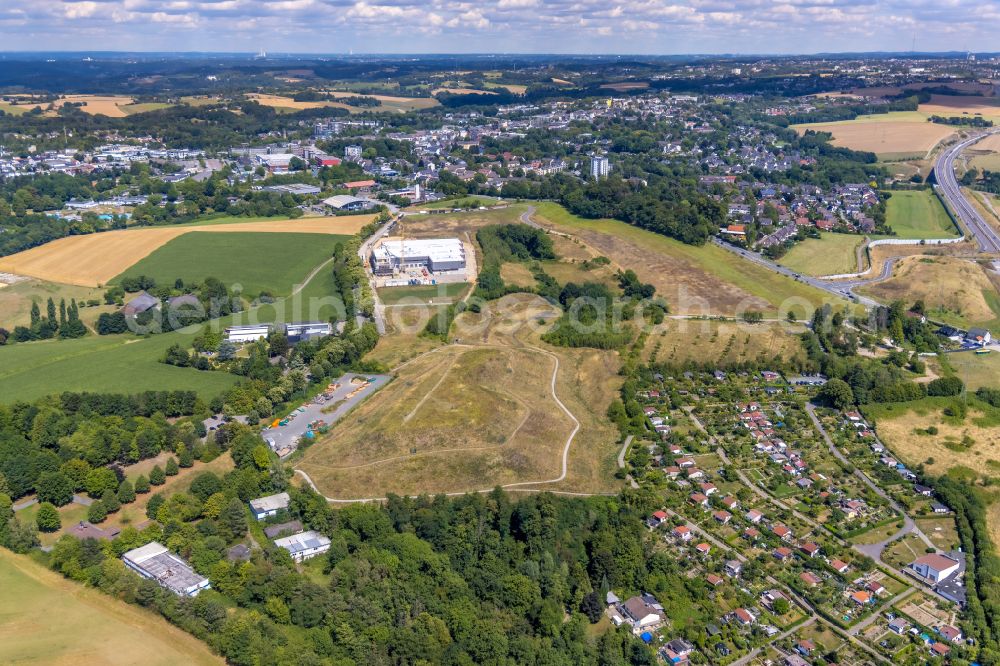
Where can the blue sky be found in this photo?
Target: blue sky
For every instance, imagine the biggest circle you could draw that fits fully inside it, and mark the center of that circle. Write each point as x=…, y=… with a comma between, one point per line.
x=502, y=26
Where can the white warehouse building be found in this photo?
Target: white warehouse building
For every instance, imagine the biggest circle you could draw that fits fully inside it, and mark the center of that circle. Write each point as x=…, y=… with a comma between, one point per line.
x=434, y=254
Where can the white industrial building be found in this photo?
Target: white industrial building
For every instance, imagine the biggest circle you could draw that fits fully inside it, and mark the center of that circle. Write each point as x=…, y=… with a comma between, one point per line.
x=304, y=545
x=935, y=567
x=347, y=202
x=435, y=254
x=297, y=332
x=250, y=333
x=156, y=562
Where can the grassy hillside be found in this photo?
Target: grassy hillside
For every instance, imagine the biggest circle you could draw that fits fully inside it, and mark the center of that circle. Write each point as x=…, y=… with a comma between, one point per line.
x=831, y=254
x=89, y=627
x=693, y=279
x=273, y=262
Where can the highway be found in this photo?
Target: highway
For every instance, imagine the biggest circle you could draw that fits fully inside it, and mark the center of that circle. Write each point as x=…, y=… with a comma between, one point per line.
x=944, y=172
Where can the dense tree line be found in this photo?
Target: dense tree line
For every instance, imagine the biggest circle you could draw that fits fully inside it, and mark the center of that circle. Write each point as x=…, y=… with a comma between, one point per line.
x=966, y=121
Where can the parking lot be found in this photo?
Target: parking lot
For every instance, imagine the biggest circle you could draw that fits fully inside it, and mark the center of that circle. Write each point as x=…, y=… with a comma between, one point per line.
x=328, y=407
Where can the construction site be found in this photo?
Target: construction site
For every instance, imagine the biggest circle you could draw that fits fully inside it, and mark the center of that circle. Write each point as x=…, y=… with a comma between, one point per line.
x=397, y=261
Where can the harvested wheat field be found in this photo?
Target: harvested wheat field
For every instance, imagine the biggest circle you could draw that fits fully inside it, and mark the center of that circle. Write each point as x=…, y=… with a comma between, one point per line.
x=948, y=285
x=889, y=137
x=94, y=259
x=991, y=143
x=279, y=102
x=390, y=102
x=462, y=91
x=105, y=105
x=960, y=105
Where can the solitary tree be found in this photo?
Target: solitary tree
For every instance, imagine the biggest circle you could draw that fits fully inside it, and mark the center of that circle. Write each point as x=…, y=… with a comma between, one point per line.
x=126, y=493
x=838, y=393
x=47, y=518
x=110, y=501
x=172, y=467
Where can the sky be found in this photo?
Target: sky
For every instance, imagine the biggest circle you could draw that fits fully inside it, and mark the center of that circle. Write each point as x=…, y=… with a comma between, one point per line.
x=501, y=26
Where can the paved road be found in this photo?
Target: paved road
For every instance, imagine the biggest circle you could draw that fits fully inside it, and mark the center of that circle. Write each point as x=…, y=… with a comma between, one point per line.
x=25, y=504
x=944, y=171
x=364, y=252
x=865, y=623
x=750, y=656
x=839, y=289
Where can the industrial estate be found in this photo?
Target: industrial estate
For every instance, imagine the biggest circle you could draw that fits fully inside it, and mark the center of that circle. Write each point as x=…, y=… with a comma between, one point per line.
x=507, y=360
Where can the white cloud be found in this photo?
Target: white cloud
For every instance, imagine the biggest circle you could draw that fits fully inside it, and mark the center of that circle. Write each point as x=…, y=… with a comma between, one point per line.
x=639, y=26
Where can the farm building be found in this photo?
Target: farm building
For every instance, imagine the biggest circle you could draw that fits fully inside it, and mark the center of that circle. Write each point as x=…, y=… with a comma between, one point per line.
x=434, y=254
x=155, y=562
x=305, y=545
x=979, y=336
x=140, y=304
x=265, y=507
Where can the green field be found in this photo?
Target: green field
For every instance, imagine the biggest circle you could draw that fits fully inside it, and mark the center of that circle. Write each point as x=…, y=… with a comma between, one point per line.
x=127, y=364
x=918, y=214
x=976, y=370
x=831, y=254
x=16, y=300
x=423, y=294
x=109, y=364
x=132, y=109
x=695, y=263
x=273, y=262
x=46, y=619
